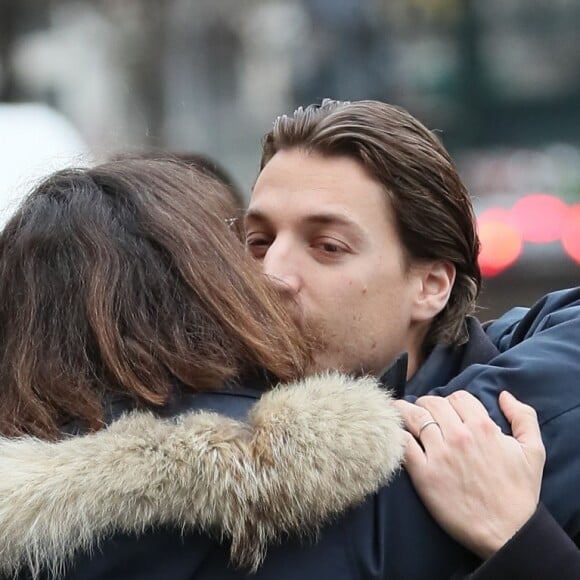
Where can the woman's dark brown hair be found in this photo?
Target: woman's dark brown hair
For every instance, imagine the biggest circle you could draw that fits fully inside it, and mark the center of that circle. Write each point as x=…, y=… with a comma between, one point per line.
x=230, y=196
x=124, y=278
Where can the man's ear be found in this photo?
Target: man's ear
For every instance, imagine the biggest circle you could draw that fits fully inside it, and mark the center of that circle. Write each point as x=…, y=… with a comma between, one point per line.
x=435, y=281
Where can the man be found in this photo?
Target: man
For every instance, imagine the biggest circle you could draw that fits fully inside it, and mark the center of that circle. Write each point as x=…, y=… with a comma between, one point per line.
x=360, y=218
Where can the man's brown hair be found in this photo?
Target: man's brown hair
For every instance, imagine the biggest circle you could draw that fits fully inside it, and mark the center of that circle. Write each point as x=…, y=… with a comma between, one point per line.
x=433, y=212
x=124, y=280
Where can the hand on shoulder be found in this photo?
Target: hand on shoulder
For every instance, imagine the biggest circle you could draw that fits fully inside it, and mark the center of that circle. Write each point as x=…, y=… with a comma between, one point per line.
x=479, y=484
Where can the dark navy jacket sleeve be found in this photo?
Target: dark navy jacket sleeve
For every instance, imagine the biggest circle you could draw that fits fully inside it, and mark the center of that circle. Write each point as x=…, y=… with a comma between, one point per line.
x=541, y=550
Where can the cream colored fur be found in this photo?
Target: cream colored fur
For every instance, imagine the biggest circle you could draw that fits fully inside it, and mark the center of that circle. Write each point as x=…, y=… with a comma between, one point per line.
x=307, y=452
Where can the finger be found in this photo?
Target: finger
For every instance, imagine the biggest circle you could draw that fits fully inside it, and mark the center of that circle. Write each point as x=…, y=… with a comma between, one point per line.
x=523, y=420
x=414, y=455
x=469, y=408
x=408, y=413
x=442, y=411
x=413, y=450
x=417, y=420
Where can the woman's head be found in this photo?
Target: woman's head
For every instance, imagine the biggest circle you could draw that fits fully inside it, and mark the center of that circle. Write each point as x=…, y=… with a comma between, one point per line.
x=125, y=278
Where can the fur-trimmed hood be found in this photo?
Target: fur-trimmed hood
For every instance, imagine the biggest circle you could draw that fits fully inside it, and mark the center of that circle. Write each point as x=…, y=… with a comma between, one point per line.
x=307, y=451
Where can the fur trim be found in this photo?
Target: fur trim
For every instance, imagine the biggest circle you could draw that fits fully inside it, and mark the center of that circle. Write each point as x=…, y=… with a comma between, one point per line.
x=307, y=452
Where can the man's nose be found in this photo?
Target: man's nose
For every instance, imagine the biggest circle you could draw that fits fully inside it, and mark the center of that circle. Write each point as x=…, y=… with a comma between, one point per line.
x=280, y=265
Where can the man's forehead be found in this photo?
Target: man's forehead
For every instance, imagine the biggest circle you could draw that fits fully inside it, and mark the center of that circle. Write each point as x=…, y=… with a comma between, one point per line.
x=295, y=186
x=295, y=170
x=317, y=208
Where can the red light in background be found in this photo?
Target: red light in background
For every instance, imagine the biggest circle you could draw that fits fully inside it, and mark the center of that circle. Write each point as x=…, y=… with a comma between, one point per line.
x=497, y=214
x=571, y=233
x=540, y=217
x=501, y=245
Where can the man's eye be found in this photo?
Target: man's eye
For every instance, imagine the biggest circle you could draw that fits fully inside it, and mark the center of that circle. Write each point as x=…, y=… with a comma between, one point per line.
x=258, y=245
x=256, y=242
x=330, y=247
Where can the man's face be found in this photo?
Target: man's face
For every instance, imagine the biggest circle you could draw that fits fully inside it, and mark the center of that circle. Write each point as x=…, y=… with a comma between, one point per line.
x=324, y=232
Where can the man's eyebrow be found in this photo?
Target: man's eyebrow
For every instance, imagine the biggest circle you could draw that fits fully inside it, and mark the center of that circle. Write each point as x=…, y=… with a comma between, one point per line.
x=322, y=218
x=316, y=219
x=256, y=214
x=330, y=218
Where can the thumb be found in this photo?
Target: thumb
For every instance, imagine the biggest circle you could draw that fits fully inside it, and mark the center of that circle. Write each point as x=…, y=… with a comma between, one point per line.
x=524, y=422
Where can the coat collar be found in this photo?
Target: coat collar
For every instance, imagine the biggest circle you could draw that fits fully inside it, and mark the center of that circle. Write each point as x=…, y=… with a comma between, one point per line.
x=442, y=364
x=305, y=453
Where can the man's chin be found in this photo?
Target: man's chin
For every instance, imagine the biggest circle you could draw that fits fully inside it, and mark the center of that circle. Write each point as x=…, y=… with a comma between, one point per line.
x=326, y=357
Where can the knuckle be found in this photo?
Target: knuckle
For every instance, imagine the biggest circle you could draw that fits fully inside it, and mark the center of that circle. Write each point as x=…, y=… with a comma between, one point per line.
x=528, y=410
x=531, y=412
x=458, y=395
x=423, y=417
x=539, y=451
x=486, y=426
x=459, y=438
x=427, y=401
x=414, y=416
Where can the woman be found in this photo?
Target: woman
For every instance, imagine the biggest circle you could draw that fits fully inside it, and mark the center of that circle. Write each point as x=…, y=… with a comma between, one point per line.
x=123, y=289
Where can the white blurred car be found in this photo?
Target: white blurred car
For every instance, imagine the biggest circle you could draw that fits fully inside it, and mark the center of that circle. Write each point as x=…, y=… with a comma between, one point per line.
x=35, y=140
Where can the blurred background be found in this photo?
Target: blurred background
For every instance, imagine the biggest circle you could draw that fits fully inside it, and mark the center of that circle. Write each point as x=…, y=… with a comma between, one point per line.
x=499, y=80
